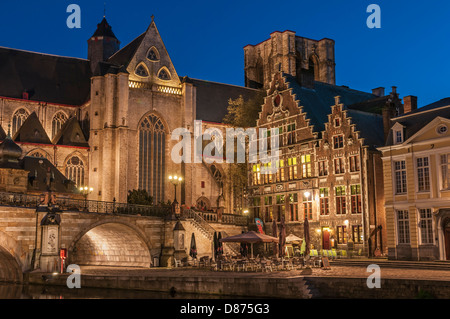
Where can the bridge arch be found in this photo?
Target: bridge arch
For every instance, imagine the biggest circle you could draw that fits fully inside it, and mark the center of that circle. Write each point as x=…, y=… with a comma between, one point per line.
x=111, y=243
x=10, y=263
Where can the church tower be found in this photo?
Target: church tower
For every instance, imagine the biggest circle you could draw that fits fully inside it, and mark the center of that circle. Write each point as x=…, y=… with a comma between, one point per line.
x=306, y=59
x=102, y=44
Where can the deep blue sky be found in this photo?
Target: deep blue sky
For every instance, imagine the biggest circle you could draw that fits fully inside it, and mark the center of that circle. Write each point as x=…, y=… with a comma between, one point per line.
x=205, y=39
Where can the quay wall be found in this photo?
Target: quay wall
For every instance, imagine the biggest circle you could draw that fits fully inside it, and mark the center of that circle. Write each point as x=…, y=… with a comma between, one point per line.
x=299, y=287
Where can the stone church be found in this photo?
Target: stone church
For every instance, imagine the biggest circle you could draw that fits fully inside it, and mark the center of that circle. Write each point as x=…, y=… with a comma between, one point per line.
x=105, y=122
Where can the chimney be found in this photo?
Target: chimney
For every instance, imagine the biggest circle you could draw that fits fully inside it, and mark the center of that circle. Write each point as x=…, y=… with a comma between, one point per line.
x=378, y=91
x=409, y=103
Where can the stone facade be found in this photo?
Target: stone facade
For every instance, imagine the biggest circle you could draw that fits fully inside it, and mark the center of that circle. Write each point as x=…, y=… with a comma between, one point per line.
x=415, y=165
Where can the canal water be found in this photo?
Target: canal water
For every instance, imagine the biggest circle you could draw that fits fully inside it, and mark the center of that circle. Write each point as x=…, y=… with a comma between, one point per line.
x=17, y=291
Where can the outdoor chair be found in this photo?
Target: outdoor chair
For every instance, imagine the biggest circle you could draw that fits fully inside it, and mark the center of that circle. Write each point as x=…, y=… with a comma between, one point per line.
x=266, y=265
x=177, y=262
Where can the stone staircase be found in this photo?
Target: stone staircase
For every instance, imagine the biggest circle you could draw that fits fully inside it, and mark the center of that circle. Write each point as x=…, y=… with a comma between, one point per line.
x=208, y=231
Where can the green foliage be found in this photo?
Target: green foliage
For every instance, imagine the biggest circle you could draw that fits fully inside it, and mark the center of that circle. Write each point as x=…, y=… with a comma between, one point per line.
x=244, y=113
x=139, y=197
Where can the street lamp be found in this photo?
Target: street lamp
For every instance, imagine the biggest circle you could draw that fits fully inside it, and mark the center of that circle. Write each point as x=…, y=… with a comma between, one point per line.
x=175, y=180
x=85, y=191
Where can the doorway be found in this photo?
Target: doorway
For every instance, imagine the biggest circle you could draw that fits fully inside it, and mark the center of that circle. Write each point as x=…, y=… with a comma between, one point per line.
x=325, y=238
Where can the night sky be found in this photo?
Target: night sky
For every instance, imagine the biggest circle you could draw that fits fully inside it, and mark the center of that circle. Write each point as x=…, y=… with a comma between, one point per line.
x=205, y=39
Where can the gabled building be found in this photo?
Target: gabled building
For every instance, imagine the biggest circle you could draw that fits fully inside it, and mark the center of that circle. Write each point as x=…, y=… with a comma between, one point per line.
x=416, y=163
x=329, y=169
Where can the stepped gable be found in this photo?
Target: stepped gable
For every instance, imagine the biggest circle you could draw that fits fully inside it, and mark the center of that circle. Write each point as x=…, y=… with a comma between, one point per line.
x=71, y=134
x=32, y=131
x=317, y=102
x=48, y=78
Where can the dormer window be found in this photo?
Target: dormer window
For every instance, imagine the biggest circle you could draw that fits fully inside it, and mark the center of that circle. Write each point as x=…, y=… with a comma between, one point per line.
x=398, y=136
x=141, y=70
x=153, y=54
x=397, y=133
x=164, y=74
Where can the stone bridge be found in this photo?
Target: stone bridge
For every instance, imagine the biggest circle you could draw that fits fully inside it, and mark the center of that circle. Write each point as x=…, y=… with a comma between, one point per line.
x=95, y=239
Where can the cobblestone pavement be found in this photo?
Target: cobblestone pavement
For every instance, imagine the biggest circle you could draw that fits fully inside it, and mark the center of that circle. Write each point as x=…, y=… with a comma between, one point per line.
x=336, y=271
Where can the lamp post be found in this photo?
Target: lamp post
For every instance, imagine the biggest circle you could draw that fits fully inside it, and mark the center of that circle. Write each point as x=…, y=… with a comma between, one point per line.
x=85, y=191
x=175, y=180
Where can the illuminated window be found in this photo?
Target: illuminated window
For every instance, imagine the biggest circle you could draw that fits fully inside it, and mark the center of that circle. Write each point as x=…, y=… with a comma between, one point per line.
x=305, y=166
x=340, y=200
x=18, y=118
x=57, y=122
x=292, y=168
x=355, y=193
x=342, y=234
x=268, y=209
x=357, y=234
x=307, y=206
x=152, y=160
x=75, y=170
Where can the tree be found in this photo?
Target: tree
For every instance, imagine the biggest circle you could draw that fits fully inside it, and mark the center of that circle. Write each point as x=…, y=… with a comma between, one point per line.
x=244, y=114
x=139, y=197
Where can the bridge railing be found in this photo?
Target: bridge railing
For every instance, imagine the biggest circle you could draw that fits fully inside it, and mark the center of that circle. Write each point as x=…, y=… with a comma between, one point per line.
x=81, y=205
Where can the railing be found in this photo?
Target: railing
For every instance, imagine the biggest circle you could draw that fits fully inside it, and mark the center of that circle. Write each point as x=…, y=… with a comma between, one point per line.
x=87, y=206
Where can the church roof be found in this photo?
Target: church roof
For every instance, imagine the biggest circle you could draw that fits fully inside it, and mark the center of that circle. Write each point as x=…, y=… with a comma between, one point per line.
x=32, y=131
x=71, y=134
x=317, y=104
x=212, y=98
x=104, y=30
x=124, y=55
x=48, y=78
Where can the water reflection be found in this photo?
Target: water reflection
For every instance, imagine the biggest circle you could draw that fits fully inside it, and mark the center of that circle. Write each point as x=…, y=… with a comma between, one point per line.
x=15, y=291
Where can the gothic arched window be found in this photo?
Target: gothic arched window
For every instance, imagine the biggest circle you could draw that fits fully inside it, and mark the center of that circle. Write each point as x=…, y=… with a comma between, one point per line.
x=152, y=144
x=18, y=118
x=57, y=122
x=164, y=74
x=141, y=70
x=153, y=54
x=75, y=170
x=38, y=154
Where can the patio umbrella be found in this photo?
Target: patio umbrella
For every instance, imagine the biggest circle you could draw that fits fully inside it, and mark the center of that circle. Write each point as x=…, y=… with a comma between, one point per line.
x=215, y=245
x=275, y=234
x=243, y=249
x=193, y=250
x=282, y=238
x=291, y=238
x=307, y=239
x=220, y=246
x=250, y=237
